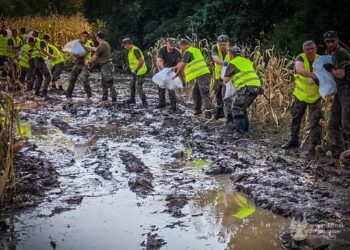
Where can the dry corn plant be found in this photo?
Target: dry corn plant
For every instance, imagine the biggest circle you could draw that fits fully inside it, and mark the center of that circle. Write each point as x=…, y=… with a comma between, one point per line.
x=62, y=29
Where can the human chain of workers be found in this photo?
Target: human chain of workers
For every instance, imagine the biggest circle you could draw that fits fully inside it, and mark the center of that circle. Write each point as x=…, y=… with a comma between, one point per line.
x=32, y=53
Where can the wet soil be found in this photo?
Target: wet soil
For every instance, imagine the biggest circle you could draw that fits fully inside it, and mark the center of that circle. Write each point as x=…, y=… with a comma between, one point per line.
x=151, y=175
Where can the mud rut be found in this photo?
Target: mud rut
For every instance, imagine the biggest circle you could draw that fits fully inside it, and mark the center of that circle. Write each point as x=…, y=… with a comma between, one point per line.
x=83, y=150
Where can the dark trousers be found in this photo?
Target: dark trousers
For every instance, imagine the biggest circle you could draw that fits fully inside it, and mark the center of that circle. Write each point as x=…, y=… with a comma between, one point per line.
x=56, y=72
x=172, y=97
x=79, y=68
x=201, y=93
x=136, y=85
x=298, y=110
x=41, y=71
x=107, y=72
x=219, y=91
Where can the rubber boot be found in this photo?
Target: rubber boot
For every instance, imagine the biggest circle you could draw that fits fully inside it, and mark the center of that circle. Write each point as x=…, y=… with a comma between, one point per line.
x=239, y=123
x=293, y=143
x=246, y=126
x=219, y=113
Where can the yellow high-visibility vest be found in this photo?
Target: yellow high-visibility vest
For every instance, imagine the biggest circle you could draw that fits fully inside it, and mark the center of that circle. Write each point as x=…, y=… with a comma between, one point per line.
x=24, y=55
x=306, y=89
x=218, y=67
x=37, y=50
x=16, y=43
x=88, y=54
x=4, y=48
x=57, y=54
x=247, y=76
x=197, y=67
x=133, y=61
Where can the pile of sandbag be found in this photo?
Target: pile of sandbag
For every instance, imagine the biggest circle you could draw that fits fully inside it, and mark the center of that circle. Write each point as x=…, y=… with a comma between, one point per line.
x=167, y=79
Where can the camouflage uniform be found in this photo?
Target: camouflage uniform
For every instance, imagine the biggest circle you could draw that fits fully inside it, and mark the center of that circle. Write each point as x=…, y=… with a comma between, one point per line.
x=172, y=97
x=201, y=93
x=107, y=72
x=136, y=84
x=30, y=75
x=79, y=68
x=40, y=71
x=298, y=110
x=56, y=72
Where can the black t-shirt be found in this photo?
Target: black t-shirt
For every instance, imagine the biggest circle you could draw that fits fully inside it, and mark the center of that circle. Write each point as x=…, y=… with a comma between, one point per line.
x=187, y=57
x=170, y=59
x=341, y=59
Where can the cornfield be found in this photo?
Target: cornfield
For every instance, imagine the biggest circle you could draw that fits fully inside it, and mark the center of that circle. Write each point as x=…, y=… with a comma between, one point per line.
x=62, y=29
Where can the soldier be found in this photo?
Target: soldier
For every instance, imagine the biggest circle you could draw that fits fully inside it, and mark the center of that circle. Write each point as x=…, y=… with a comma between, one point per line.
x=168, y=56
x=195, y=68
x=138, y=70
x=306, y=95
x=220, y=55
x=80, y=67
x=339, y=123
x=14, y=43
x=244, y=78
x=27, y=71
x=103, y=56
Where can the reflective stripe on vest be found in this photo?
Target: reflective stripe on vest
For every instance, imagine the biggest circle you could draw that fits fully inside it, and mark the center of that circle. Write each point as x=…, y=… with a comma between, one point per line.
x=24, y=56
x=16, y=43
x=247, y=77
x=57, y=54
x=37, y=50
x=306, y=89
x=218, y=67
x=4, y=48
x=197, y=67
x=133, y=61
x=88, y=54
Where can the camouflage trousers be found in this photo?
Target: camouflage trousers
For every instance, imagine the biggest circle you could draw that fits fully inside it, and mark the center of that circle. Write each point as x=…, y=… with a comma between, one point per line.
x=219, y=92
x=201, y=93
x=79, y=68
x=41, y=71
x=107, y=72
x=339, y=123
x=30, y=74
x=136, y=84
x=56, y=72
x=172, y=97
x=243, y=99
x=298, y=110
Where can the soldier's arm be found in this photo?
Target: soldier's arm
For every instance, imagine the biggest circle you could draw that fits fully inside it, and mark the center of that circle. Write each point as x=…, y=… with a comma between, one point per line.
x=179, y=68
x=160, y=63
x=299, y=69
x=92, y=59
x=338, y=73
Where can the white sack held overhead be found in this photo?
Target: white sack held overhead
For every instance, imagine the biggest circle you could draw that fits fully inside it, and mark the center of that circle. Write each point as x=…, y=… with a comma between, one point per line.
x=75, y=48
x=164, y=79
x=230, y=90
x=326, y=80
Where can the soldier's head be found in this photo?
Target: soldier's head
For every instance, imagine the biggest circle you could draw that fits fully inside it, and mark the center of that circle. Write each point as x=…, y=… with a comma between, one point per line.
x=23, y=31
x=31, y=41
x=223, y=42
x=100, y=37
x=47, y=37
x=332, y=40
x=234, y=51
x=310, y=49
x=85, y=36
x=127, y=43
x=14, y=32
x=184, y=44
x=35, y=34
x=171, y=44
x=3, y=32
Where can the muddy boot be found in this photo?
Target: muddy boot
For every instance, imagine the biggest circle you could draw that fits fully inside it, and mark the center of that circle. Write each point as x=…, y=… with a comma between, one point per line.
x=229, y=123
x=293, y=143
x=246, y=119
x=53, y=88
x=219, y=113
x=207, y=114
x=239, y=125
x=114, y=100
x=311, y=153
x=197, y=112
x=44, y=94
x=37, y=92
x=173, y=108
x=130, y=101
x=145, y=104
x=160, y=106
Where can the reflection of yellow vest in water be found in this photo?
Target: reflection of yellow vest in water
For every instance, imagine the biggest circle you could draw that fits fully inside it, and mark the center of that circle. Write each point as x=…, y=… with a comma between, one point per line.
x=246, y=77
x=4, y=48
x=133, y=61
x=218, y=67
x=57, y=54
x=306, y=89
x=24, y=56
x=197, y=67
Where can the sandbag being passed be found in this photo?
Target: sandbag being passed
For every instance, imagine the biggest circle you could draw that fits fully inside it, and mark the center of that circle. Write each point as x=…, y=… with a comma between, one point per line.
x=327, y=83
x=75, y=48
x=164, y=79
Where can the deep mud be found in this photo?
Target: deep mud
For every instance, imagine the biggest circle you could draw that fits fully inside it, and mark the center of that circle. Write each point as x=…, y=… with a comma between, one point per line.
x=84, y=158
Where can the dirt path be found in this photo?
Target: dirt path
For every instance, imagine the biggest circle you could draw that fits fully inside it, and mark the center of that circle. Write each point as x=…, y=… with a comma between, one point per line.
x=97, y=177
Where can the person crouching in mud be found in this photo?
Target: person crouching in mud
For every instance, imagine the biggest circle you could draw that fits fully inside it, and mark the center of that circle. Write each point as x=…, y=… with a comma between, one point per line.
x=245, y=79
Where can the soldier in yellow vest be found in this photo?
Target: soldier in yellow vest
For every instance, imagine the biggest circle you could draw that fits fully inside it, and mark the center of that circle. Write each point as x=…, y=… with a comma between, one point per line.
x=4, y=48
x=14, y=43
x=194, y=67
x=245, y=79
x=221, y=56
x=24, y=61
x=306, y=95
x=56, y=65
x=23, y=34
x=80, y=67
x=41, y=55
x=138, y=70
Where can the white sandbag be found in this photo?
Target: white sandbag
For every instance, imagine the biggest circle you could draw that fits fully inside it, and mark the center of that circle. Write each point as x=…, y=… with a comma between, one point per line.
x=9, y=32
x=223, y=70
x=75, y=48
x=327, y=83
x=48, y=64
x=30, y=34
x=164, y=79
x=230, y=90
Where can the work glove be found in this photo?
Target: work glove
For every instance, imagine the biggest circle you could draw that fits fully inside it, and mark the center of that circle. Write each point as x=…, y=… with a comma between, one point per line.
x=225, y=64
x=328, y=67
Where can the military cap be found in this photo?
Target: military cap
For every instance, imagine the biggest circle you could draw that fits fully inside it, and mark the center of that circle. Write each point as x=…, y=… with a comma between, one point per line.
x=184, y=42
x=234, y=49
x=101, y=35
x=126, y=40
x=330, y=35
x=172, y=41
x=223, y=39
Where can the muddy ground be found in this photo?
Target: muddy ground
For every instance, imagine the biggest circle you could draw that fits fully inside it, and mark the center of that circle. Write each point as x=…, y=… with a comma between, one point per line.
x=173, y=167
